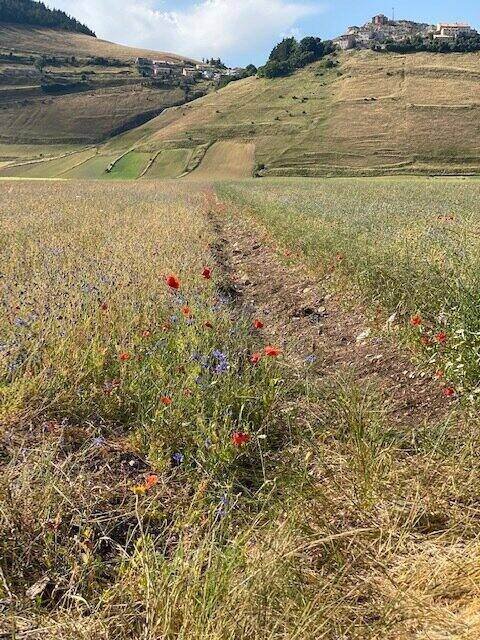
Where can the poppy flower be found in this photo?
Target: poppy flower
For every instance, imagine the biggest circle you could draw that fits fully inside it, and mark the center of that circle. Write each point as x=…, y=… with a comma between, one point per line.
x=258, y=324
x=272, y=352
x=172, y=281
x=255, y=358
x=187, y=312
x=416, y=320
x=166, y=400
x=441, y=337
x=207, y=273
x=124, y=356
x=146, y=334
x=448, y=392
x=151, y=480
x=104, y=306
x=239, y=438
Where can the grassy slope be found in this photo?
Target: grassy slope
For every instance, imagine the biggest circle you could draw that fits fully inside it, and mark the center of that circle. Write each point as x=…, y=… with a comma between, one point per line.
x=377, y=112
x=115, y=97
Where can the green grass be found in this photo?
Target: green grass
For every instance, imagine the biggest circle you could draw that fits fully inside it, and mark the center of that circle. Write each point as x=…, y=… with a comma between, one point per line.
x=92, y=169
x=408, y=245
x=48, y=169
x=170, y=163
x=130, y=166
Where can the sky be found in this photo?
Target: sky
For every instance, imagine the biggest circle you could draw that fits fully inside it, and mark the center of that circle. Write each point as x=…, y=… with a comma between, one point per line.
x=244, y=31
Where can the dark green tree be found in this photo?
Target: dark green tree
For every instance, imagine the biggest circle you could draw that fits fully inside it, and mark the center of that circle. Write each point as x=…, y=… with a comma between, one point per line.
x=37, y=14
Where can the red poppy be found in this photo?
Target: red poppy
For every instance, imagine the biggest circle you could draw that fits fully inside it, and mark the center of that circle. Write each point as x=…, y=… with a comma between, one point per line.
x=172, y=281
x=124, y=356
x=239, y=438
x=258, y=324
x=146, y=334
x=187, y=312
x=272, y=352
x=208, y=325
x=426, y=341
x=449, y=392
x=255, y=358
x=151, y=480
x=166, y=400
x=207, y=273
x=441, y=337
x=416, y=320
x=104, y=306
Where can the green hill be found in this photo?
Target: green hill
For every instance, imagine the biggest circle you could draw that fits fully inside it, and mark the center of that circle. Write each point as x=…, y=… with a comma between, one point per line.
x=373, y=113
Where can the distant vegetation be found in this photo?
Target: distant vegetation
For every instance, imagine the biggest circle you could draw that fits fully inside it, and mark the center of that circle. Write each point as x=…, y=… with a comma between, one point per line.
x=463, y=44
x=289, y=55
x=36, y=13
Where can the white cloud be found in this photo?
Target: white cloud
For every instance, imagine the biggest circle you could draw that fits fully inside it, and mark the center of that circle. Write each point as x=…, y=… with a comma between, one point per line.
x=233, y=29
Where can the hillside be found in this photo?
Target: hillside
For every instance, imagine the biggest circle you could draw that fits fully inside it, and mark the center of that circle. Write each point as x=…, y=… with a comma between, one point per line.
x=97, y=88
x=372, y=113
x=414, y=113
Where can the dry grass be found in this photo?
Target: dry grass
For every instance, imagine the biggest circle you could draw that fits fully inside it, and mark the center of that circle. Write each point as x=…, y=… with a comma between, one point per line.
x=331, y=522
x=410, y=113
x=51, y=42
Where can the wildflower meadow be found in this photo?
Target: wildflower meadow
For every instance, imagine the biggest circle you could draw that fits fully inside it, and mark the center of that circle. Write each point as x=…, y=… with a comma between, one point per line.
x=171, y=470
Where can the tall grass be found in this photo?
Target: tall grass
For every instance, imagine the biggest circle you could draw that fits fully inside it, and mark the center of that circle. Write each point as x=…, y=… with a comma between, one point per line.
x=124, y=516
x=409, y=245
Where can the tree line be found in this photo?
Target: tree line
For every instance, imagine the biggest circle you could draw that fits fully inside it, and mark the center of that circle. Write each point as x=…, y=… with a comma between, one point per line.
x=36, y=13
x=289, y=54
x=463, y=44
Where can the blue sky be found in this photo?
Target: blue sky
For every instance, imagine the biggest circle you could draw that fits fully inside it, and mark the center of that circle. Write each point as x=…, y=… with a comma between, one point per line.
x=243, y=31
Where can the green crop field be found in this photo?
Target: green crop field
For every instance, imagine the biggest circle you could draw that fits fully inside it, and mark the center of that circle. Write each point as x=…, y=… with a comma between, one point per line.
x=169, y=163
x=169, y=470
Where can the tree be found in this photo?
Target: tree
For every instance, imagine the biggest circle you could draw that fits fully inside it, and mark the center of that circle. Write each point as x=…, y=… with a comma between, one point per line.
x=284, y=50
x=36, y=13
x=274, y=69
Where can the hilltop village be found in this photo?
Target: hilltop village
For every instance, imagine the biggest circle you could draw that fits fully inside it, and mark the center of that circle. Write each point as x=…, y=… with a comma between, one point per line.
x=166, y=70
x=381, y=31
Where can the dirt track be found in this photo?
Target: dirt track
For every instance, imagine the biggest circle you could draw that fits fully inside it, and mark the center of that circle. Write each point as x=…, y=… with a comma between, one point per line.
x=307, y=322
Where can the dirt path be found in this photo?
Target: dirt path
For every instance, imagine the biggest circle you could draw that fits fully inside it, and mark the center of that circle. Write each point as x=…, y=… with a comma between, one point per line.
x=307, y=323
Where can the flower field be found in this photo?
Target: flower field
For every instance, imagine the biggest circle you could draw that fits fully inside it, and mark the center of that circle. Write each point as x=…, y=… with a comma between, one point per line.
x=169, y=471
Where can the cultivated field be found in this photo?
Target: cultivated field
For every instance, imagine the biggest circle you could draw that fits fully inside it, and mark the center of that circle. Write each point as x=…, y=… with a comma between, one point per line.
x=209, y=429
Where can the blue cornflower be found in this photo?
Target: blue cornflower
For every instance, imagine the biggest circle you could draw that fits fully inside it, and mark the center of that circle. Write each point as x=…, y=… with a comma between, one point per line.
x=177, y=459
x=221, y=365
